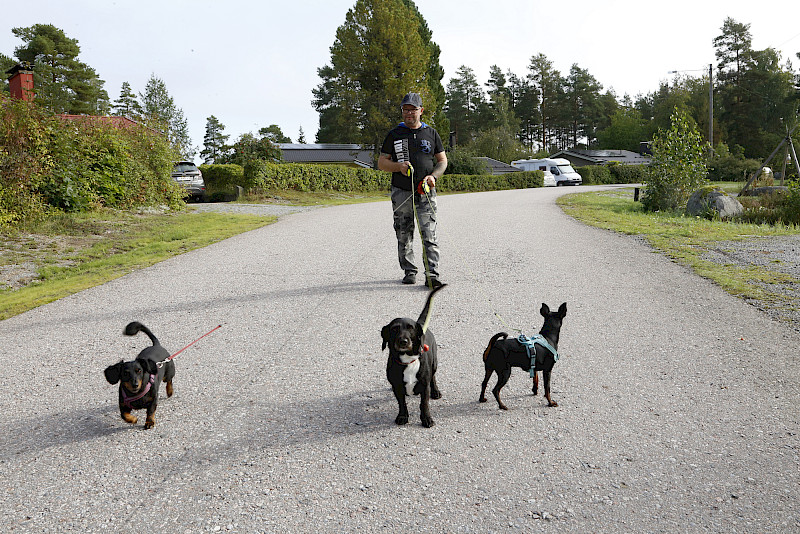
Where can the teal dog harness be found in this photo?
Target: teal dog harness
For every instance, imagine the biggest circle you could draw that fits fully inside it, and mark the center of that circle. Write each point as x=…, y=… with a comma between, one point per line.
x=530, y=346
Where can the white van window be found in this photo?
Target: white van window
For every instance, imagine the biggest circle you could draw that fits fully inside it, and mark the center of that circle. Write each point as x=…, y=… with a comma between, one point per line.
x=554, y=171
x=566, y=169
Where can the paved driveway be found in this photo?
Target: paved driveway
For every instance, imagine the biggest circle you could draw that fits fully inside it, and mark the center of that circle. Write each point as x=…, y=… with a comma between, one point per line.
x=679, y=405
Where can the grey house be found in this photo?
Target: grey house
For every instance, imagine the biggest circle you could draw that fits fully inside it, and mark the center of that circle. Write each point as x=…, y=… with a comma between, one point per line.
x=328, y=154
x=581, y=157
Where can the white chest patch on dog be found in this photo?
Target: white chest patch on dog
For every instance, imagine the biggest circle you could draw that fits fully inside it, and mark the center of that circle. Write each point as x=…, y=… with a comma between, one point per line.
x=410, y=374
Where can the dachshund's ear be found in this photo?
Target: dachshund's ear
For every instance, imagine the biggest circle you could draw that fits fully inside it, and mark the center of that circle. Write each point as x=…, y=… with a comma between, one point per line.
x=112, y=372
x=385, y=336
x=149, y=366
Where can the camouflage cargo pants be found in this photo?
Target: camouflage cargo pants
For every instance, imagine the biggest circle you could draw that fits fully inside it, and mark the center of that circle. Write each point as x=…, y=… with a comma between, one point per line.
x=404, y=228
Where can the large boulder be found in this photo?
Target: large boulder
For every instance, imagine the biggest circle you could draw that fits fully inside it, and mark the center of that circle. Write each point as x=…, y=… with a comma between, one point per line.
x=708, y=201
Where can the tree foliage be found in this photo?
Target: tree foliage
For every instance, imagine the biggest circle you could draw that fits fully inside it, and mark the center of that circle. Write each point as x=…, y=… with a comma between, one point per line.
x=63, y=83
x=678, y=166
x=160, y=113
x=381, y=52
x=214, y=148
x=127, y=105
x=249, y=148
x=274, y=133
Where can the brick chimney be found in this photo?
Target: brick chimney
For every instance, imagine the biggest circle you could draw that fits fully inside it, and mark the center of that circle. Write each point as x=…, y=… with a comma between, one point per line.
x=20, y=81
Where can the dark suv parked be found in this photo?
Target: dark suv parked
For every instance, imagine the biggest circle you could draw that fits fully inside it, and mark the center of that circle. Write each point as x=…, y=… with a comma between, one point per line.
x=189, y=176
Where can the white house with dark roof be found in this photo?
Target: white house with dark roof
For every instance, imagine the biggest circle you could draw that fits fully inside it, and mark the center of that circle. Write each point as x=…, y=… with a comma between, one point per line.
x=328, y=154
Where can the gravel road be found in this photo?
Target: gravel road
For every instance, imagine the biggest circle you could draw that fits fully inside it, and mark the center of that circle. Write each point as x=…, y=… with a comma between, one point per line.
x=679, y=405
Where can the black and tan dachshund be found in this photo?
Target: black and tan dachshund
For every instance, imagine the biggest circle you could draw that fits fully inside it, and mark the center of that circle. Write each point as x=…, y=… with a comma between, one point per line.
x=411, y=368
x=502, y=354
x=139, y=379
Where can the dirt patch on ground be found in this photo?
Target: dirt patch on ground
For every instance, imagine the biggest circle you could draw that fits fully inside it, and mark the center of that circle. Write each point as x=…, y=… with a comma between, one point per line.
x=22, y=255
x=779, y=254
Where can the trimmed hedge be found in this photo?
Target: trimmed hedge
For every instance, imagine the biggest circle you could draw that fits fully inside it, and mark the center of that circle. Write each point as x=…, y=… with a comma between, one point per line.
x=490, y=182
x=260, y=176
x=612, y=174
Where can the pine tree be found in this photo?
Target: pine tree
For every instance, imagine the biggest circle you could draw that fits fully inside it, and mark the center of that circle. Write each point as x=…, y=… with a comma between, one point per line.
x=160, y=113
x=63, y=84
x=301, y=137
x=214, y=141
x=465, y=98
x=378, y=56
x=127, y=105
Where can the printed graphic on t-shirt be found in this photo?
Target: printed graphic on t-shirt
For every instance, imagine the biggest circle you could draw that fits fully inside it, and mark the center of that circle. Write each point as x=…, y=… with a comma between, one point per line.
x=426, y=146
x=401, y=150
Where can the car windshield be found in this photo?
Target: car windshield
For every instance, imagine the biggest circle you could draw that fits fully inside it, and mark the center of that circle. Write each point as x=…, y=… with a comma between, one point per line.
x=566, y=169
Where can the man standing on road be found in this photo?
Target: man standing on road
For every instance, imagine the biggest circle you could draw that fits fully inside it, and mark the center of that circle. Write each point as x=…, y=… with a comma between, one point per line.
x=413, y=152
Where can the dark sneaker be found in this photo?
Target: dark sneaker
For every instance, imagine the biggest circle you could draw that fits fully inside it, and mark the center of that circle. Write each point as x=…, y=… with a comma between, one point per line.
x=410, y=278
x=433, y=283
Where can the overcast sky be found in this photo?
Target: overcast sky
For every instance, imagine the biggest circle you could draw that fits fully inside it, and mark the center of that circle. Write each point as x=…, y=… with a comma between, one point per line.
x=252, y=64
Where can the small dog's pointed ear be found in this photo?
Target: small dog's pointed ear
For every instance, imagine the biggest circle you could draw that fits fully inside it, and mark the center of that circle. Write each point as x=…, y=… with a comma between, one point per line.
x=545, y=311
x=385, y=336
x=112, y=372
x=562, y=310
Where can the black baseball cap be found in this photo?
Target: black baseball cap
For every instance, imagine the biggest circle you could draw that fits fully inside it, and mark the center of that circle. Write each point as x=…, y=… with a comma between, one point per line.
x=412, y=99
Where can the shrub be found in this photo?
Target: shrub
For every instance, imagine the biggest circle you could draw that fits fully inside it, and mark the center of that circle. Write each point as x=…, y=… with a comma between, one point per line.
x=678, y=166
x=726, y=167
x=48, y=162
x=462, y=161
x=222, y=178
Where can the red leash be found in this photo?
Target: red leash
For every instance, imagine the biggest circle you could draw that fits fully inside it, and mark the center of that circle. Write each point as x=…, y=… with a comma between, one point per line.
x=193, y=342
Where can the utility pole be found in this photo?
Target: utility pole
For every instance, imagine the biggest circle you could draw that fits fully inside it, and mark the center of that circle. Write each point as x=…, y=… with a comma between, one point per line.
x=711, y=106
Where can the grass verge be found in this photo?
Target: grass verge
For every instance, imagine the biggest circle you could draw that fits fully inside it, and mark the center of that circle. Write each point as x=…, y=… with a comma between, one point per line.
x=69, y=253
x=684, y=239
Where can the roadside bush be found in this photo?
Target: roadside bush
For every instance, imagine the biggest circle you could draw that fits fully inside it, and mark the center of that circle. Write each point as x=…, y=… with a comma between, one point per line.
x=677, y=168
x=489, y=182
x=48, y=162
x=627, y=174
x=222, y=178
x=613, y=173
x=790, y=205
x=462, y=161
x=726, y=167
x=259, y=177
x=594, y=174
x=24, y=161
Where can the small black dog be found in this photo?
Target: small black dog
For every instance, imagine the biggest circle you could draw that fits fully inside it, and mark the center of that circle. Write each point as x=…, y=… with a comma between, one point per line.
x=139, y=379
x=411, y=368
x=502, y=354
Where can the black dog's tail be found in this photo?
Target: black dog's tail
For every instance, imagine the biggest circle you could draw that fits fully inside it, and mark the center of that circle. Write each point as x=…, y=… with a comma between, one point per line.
x=491, y=343
x=425, y=316
x=135, y=327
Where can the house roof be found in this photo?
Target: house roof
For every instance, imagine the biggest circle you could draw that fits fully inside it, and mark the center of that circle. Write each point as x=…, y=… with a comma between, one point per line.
x=600, y=157
x=119, y=122
x=497, y=167
x=326, y=153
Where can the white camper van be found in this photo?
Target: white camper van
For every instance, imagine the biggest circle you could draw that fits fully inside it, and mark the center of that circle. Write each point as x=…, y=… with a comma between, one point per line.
x=559, y=170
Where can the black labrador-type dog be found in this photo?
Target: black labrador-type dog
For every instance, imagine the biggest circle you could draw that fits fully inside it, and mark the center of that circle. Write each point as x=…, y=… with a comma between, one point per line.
x=502, y=354
x=411, y=368
x=139, y=379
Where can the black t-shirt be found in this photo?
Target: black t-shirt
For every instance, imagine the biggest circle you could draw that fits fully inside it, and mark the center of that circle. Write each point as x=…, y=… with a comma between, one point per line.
x=418, y=146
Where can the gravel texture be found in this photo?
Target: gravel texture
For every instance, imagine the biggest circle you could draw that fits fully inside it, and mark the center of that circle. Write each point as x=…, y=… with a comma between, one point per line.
x=781, y=254
x=679, y=405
